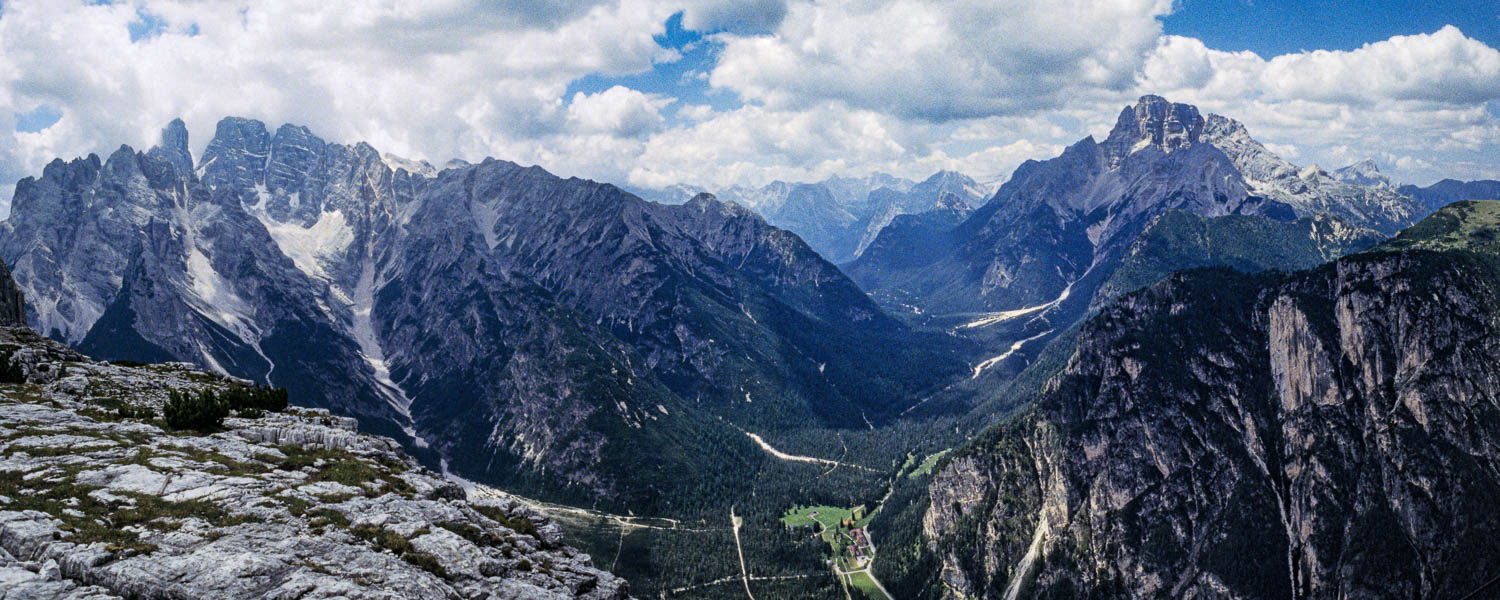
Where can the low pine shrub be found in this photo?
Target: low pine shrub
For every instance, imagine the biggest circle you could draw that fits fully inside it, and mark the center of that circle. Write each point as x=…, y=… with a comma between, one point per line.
x=203, y=411
x=250, y=413
x=10, y=371
x=268, y=399
x=126, y=411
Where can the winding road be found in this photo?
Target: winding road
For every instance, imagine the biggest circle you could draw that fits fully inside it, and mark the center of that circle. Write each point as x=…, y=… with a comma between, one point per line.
x=1013, y=348
x=744, y=573
x=802, y=459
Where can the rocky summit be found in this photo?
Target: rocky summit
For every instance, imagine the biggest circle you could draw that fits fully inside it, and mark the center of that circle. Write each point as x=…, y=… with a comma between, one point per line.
x=99, y=499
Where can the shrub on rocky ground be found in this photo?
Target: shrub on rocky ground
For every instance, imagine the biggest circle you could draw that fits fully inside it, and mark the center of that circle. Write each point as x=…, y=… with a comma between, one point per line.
x=10, y=371
x=202, y=411
x=206, y=410
x=269, y=399
x=144, y=413
x=250, y=413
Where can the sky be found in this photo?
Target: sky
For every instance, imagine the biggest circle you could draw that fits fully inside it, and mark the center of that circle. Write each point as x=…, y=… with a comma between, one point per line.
x=716, y=93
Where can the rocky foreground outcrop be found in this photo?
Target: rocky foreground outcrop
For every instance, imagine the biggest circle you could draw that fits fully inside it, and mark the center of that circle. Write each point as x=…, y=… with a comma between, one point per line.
x=1333, y=433
x=99, y=500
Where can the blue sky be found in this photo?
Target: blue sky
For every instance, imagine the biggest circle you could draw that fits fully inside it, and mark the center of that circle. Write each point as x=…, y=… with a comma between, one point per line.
x=1271, y=28
x=685, y=78
x=648, y=93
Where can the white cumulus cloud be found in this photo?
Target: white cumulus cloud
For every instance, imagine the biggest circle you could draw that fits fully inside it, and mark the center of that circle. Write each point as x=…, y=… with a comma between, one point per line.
x=940, y=60
x=618, y=110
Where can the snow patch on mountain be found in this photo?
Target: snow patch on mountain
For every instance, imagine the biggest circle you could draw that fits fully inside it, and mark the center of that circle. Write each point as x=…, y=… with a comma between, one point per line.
x=311, y=248
x=363, y=331
x=215, y=295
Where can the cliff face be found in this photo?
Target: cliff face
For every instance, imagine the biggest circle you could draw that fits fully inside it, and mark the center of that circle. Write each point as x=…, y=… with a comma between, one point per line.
x=1324, y=434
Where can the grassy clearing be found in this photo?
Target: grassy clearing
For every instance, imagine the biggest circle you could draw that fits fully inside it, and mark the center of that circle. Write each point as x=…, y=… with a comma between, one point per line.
x=830, y=517
x=862, y=583
x=927, y=464
x=341, y=466
x=911, y=459
x=833, y=524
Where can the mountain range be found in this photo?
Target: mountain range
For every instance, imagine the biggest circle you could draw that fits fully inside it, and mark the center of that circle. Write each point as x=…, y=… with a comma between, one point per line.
x=1448, y=191
x=556, y=336
x=1033, y=261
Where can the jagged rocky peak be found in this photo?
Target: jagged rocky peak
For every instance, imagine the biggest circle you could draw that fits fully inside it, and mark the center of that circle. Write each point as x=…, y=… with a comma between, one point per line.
x=1154, y=122
x=704, y=199
x=946, y=182
x=1221, y=127
x=705, y=203
x=951, y=201
x=173, y=148
x=1312, y=171
x=707, y=200
x=413, y=166
x=236, y=154
x=949, y=177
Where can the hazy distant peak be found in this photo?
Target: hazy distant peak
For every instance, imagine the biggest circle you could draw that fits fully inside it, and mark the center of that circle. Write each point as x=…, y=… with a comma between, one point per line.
x=1365, y=173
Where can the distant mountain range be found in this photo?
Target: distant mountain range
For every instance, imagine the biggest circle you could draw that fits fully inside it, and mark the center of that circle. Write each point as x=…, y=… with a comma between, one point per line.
x=556, y=336
x=1448, y=191
x=840, y=217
